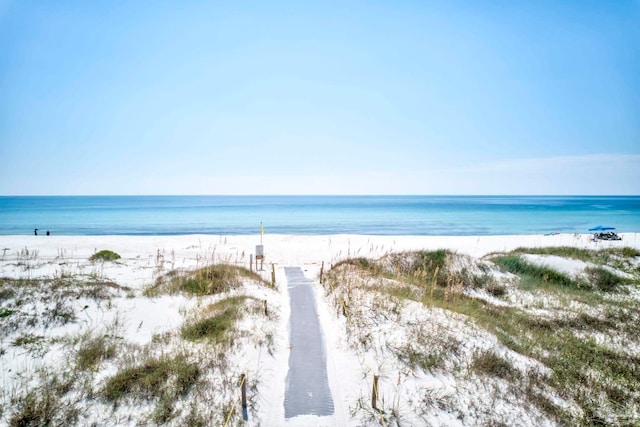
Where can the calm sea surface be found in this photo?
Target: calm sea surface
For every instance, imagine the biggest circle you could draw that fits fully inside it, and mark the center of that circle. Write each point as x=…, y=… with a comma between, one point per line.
x=382, y=215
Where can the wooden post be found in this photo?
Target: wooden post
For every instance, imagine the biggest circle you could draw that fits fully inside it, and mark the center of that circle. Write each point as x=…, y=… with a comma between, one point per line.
x=344, y=307
x=243, y=387
x=321, y=272
x=251, y=262
x=374, y=394
x=273, y=275
x=266, y=313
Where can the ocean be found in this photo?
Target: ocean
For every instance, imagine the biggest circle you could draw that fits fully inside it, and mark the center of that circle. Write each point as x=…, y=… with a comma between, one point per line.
x=316, y=215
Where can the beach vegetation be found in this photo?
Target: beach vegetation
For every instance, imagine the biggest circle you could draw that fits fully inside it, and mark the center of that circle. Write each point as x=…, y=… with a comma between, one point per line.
x=518, y=266
x=216, y=320
x=165, y=377
x=56, y=296
x=629, y=252
x=487, y=362
x=209, y=280
x=27, y=340
x=104, y=255
x=619, y=258
x=598, y=256
x=604, y=280
x=6, y=312
x=44, y=405
x=601, y=378
x=93, y=350
x=39, y=410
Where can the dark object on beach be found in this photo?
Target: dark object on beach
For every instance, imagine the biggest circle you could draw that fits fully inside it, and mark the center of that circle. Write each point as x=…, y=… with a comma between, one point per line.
x=604, y=233
x=606, y=236
x=35, y=232
x=48, y=234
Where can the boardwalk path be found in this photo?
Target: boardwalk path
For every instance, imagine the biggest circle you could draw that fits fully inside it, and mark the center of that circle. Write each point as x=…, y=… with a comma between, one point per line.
x=307, y=390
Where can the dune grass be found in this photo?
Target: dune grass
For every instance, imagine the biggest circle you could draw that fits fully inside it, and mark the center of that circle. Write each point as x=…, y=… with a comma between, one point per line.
x=600, y=256
x=209, y=280
x=619, y=258
x=153, y=379
x=44, y=405
x=218, y=319
x=604, y=382
x=94, y=350
x=516, y=265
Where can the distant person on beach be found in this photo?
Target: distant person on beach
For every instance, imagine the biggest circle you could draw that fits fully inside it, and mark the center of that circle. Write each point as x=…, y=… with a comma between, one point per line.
x=35, y=232
x=48, y=234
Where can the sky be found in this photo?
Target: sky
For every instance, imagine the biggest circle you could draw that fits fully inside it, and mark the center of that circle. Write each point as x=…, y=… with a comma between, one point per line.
x=346, y=97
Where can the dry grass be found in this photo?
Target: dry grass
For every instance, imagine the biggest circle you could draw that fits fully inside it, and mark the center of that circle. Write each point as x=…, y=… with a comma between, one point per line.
x=154, y=378
x=603, y=381
x=209, y=280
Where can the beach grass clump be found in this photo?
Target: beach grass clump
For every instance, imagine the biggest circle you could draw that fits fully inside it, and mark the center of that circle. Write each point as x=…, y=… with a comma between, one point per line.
x=36, y=409
x=517, y=265
x=561, y=251
x=44, y=405
x=361, y=263
x=93, y=351
x=420, y=266
x=104, y=255
x=488, y=362
x=27, y=340
x=209, y=280
x=218, y=320
x=603, y=280
x=629, y=252
x=165, y=377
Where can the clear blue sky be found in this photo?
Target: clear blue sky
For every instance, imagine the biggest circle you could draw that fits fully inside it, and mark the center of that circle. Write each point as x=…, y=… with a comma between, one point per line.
x=396, y=97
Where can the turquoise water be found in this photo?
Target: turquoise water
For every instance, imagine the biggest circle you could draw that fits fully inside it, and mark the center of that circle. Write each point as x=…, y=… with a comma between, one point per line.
x=380, y=215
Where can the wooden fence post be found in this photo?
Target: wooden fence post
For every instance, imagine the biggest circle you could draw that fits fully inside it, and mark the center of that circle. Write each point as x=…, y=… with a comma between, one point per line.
x=374, y=394
x=321, y=272
x=243, y=386
x=273, y=275
x=251, y=262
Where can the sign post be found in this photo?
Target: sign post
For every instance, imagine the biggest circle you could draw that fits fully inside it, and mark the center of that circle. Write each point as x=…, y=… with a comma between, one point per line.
x=260, y=249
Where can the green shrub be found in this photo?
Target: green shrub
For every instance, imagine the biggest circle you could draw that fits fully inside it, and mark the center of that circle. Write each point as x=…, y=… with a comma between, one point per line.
x=104, y=255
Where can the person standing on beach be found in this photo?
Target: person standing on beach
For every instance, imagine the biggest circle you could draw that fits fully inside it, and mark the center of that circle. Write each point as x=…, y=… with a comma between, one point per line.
x=35, y=232
x=48, y=234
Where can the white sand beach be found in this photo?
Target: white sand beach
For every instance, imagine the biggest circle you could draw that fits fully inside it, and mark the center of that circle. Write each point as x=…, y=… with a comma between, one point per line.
x=290, y=249
x=141, y=321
